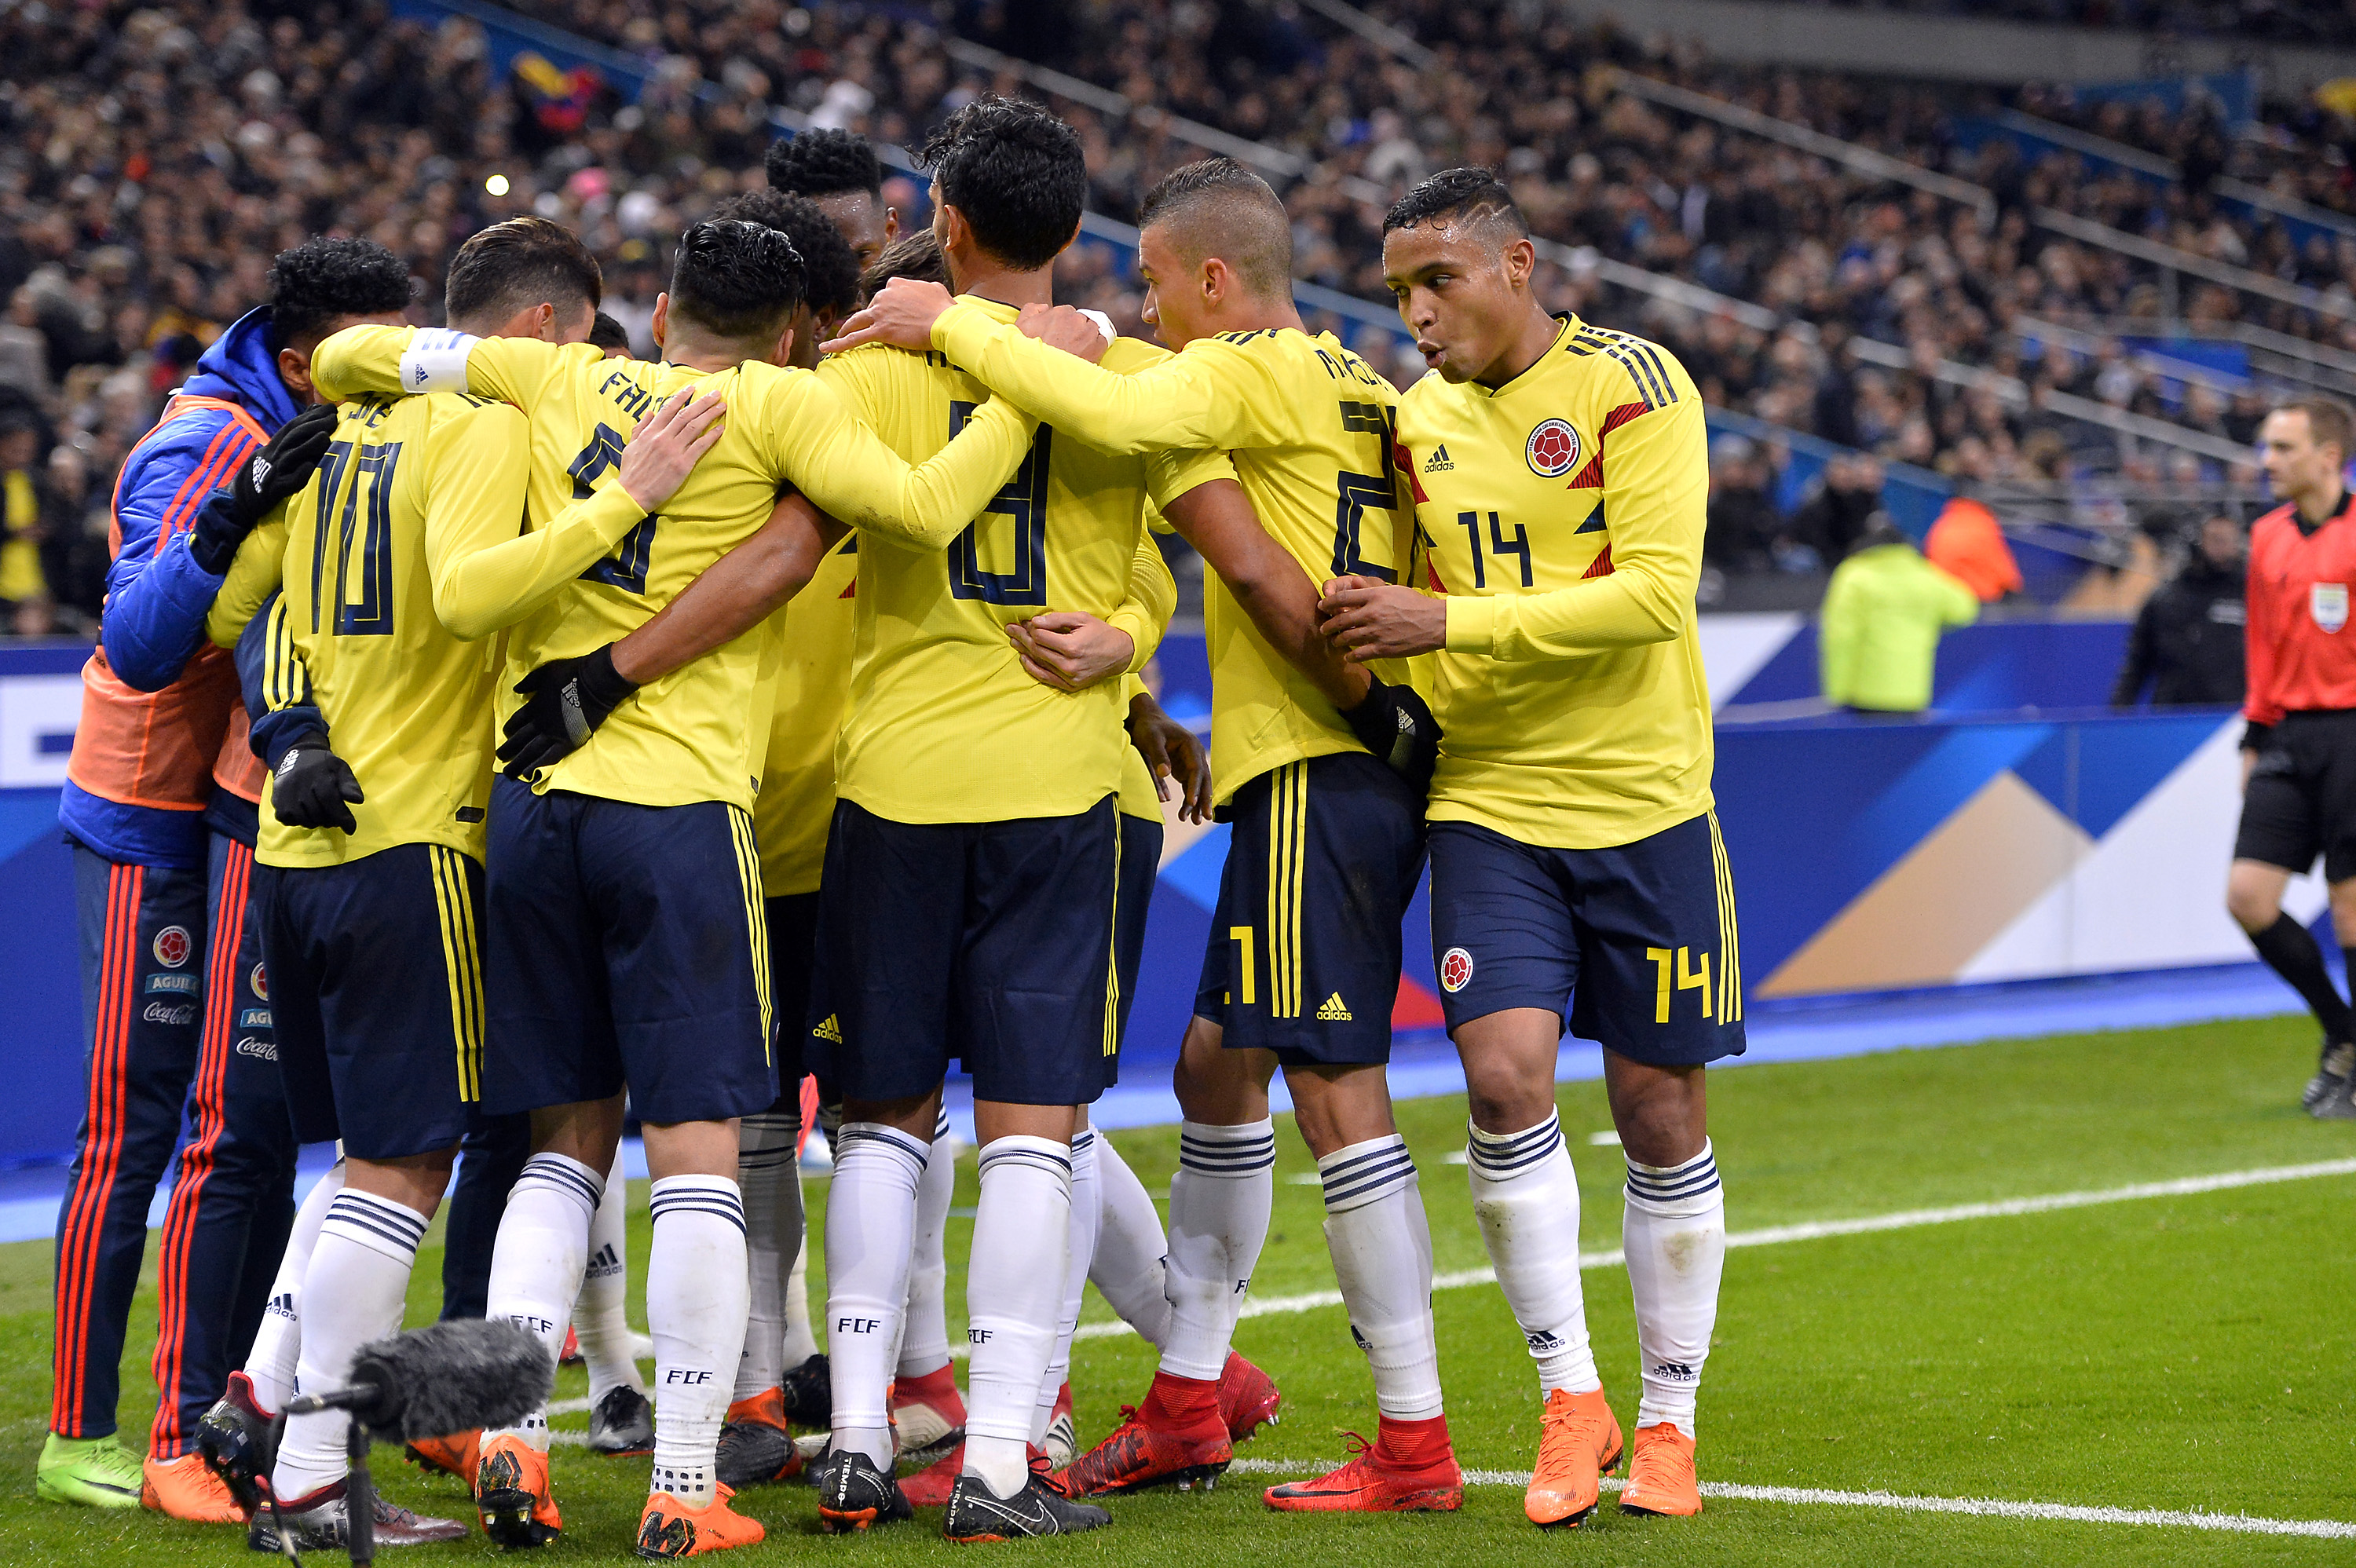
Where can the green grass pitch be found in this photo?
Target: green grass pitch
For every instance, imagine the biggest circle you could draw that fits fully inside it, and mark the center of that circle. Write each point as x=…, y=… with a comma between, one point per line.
x=2187, y=1353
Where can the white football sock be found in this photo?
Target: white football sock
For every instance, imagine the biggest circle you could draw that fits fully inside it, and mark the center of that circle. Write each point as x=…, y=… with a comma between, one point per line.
x=1013, y=1293
x=697, y=1293
x=277, y=1344
x=1675, y=1235
x=925, y=1330
x=801, y=1342
x=537, y=1259
x=352, y=1293
x=1382, y=1259
x=601, y=1312
x=1087, y=1209
x=773, y=1240
x=1526, y=1197
x=1129, y=1268
x=1219, y=1204
x=871, y=1213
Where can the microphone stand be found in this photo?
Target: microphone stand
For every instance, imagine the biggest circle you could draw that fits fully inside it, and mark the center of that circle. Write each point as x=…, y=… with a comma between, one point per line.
x=359, y=1497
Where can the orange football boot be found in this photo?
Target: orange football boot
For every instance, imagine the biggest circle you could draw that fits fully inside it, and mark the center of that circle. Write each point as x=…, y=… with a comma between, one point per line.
x=1579, y=1439
x=513, y=1497
x=668, y=1528
x=454, y=1456
x=183, y=1489
x=1661, y=1478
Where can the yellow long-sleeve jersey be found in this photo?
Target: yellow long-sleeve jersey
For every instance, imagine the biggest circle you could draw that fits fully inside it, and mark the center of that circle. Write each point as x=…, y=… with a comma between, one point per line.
x=1562, y=517
x=700, y=732
x=944, y=725
x=813, y=688
x=392, y=566
x=1308, y=427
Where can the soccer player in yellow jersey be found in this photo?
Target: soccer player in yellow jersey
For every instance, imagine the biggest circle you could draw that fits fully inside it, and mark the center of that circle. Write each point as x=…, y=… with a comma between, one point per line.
x=1561, y=477
x=796, y=802
x=395, y=560
x=625, y=932
x=1327, y=840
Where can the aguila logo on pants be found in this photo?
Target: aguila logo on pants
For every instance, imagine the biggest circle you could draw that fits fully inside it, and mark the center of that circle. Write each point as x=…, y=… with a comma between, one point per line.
x=2327, y=603
x=173, y=945
x=1552, y=448
x=1455, y=970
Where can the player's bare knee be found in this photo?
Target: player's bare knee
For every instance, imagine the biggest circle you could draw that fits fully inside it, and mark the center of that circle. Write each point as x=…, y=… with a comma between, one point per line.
x=691, y=1148
x=1217, y=1086
x=1336, y=1107
x=1506, y=1095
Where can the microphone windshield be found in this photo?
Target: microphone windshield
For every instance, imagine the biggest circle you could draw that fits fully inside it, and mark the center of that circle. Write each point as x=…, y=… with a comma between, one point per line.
x=451, y=1377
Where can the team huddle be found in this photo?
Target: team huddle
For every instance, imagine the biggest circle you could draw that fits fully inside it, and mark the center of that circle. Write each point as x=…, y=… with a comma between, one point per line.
x=799, y=732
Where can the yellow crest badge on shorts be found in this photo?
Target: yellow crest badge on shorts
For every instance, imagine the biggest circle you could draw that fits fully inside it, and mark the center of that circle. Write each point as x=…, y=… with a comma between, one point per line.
x=2327, y=603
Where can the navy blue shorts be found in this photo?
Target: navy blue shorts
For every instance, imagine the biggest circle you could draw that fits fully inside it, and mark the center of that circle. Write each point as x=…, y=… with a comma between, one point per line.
x=793, y=952
x=1304, y=952
x=1140, y=864
x=985, y=943
x=627, y=946
x=1640, y=940
x=376, y=990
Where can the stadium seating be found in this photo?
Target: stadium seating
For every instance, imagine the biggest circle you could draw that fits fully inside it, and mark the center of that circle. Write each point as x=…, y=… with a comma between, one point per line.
x=2091, y=333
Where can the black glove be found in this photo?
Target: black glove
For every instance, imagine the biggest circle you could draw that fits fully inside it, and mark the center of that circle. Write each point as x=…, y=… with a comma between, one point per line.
x=1396, y=726
x=311, y=785
x=262, y=483
x=566, y=700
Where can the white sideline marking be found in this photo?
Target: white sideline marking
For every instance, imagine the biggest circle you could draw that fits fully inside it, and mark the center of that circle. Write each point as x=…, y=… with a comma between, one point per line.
x=1992, y=1508
x=1817, y=1229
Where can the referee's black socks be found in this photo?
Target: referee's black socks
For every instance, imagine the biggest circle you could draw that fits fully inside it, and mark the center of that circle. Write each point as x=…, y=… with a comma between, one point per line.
x=2291, y=951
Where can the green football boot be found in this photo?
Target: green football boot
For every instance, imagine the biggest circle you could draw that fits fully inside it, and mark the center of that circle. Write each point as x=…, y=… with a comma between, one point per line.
x=92, y=1471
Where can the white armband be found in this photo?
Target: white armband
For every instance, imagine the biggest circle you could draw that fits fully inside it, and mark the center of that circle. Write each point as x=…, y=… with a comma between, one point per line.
x=436, y=360
x=1104, y=321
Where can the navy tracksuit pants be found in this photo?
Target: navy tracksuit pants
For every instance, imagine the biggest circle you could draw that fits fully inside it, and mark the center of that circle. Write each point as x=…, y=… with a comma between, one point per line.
x=177, y=1029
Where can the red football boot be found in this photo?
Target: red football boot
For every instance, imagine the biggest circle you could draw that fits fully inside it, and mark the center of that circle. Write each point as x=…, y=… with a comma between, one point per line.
x=1413, y=1467
x=1175, y=1437
x=1249, y=1398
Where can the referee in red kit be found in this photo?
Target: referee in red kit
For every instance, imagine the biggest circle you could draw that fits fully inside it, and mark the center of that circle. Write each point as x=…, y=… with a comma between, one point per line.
x=2298, y=752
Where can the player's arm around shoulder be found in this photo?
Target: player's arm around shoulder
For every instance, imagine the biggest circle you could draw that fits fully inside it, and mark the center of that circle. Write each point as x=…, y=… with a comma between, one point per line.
x=815, y=442
x=1175, y=401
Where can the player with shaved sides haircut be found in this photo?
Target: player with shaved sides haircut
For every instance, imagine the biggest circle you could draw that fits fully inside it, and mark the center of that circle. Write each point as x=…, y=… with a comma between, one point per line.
x=1218, y=213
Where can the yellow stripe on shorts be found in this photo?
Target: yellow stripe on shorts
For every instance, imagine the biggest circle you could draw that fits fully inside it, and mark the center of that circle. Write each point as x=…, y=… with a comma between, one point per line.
x=1288, y=826
x=756, y=917
x=462, y=960
x=1112, y=952
x=1730, y=934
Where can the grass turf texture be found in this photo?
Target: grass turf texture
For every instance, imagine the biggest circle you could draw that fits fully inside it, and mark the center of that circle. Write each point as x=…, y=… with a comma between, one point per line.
x=2171, y=1353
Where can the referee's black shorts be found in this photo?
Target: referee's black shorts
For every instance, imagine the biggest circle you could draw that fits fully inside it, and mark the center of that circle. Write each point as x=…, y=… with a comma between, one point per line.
x=2301, y=802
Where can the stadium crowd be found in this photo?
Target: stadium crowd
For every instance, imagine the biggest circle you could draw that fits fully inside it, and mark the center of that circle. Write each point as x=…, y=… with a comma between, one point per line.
x=155, y=153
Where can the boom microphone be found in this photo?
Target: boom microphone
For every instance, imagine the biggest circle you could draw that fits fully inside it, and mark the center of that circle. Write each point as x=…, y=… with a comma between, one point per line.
x=441, y=1379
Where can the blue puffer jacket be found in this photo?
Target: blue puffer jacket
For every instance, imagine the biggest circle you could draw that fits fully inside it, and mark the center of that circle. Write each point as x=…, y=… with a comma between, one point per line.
x=157, y=594
x=152, y=747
